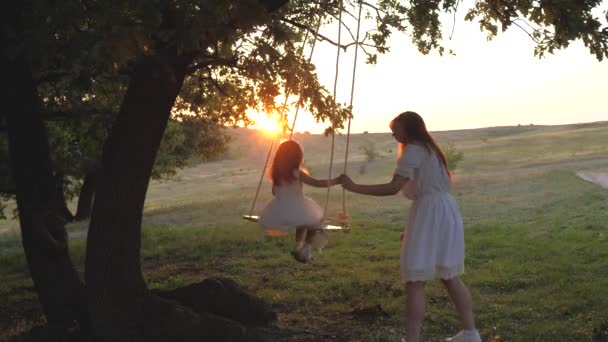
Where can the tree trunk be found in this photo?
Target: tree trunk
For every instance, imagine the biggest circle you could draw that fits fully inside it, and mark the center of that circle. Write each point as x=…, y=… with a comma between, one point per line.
x=85, y=198
x=117, y=293
x=44, y=238
x=62, y=207
x=120, y=304
x=117, y=290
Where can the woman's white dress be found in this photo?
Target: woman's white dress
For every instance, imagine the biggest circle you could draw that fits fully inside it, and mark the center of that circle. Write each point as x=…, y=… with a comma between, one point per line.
x=290, y=208
x=433, y=244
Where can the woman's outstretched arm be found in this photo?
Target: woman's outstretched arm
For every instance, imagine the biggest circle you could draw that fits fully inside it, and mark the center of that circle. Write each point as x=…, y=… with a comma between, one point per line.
x=387, y=189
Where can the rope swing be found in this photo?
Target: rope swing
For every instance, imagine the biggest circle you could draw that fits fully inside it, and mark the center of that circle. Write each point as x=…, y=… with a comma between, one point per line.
x=341, y=223
x=250, y=216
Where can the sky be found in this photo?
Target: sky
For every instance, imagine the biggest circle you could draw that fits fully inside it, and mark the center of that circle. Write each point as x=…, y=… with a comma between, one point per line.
x=487, y=83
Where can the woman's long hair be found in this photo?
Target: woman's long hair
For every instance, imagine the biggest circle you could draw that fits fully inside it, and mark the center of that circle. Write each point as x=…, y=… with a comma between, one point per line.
x=415, y=130
x=288, y=158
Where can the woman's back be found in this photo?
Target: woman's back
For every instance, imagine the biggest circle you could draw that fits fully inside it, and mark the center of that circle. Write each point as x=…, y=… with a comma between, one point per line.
x=429, y=173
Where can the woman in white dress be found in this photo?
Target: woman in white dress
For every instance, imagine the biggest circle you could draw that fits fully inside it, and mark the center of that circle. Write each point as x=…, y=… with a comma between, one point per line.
x=290, y=209
x=433, y=240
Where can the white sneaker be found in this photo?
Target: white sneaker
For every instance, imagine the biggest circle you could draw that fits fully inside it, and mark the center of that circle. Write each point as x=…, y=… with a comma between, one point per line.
x=305, y=253
x=319, y=241
x=465, y=336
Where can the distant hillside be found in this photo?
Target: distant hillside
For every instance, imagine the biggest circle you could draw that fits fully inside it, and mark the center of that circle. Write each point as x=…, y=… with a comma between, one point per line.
x=503, y=131
x=254, y=144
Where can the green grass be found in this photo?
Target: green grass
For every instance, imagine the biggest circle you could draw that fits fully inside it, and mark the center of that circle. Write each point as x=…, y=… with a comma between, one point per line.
x=536, y=245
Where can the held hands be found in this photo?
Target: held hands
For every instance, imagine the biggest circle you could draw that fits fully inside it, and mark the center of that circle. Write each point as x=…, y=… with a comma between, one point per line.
x=346, y=182
x=339, y=180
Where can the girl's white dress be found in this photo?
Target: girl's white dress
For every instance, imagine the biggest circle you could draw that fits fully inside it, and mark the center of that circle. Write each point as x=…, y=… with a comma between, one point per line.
x=290, y=208
x=433, y=244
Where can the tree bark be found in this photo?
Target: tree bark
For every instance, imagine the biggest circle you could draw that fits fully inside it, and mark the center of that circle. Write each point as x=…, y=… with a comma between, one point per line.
x=62, y=207
x=117, y=292
x=85, y=198
x=120, y=304
x=44, y=238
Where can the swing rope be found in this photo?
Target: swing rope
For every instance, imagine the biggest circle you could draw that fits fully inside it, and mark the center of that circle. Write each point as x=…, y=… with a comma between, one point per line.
x=333, y=135
x=312, y=50
x=257, y=191
x=352, y=92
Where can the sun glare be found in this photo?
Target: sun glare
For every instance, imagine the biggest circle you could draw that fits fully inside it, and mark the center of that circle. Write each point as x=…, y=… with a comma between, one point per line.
x=271, y=125
x=263, y=122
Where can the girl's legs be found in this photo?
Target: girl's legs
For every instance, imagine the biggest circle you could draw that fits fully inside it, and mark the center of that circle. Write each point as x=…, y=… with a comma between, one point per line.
x=310, y=235
x=461, y=298
x=304, y=235
x=300, y=237
x=415, y=307
x=302, y=251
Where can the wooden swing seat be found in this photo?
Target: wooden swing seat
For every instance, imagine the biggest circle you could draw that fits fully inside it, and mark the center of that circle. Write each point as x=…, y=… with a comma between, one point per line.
x=327, y=225
x=251, y=218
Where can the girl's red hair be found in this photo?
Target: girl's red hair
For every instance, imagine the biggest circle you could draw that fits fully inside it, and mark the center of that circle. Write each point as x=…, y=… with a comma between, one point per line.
x=288, y=158
x=415, y=130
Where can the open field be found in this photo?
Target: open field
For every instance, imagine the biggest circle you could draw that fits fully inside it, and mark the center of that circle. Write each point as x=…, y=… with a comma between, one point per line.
x=536, y=237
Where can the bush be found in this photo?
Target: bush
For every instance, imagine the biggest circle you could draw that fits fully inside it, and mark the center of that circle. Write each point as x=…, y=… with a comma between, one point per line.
x=371, y=154
x=452, y=156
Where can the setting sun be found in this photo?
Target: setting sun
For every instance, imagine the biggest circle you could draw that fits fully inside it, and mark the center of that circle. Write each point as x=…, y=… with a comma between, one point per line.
x=263, y=121
x=272, y=125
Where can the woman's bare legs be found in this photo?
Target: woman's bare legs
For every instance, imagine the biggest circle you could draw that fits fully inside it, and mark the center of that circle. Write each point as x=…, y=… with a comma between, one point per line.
x=415, y=306
x=461, y=297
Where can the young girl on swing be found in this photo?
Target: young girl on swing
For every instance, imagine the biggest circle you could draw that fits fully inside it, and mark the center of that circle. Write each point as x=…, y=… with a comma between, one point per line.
x=290, y=209
x=432, y=244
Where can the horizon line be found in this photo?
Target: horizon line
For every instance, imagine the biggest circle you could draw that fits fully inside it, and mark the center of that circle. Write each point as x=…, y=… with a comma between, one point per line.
x=442, y=130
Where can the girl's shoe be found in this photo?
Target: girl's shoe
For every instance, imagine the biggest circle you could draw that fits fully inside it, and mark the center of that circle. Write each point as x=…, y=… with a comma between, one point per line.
x=465, y=336
x=303, y=254
x=306, y=253
x=319, y=241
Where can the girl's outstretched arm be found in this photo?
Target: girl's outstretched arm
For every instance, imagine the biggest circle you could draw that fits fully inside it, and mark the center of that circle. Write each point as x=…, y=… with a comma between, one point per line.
x=387, y=189
x=318, y=183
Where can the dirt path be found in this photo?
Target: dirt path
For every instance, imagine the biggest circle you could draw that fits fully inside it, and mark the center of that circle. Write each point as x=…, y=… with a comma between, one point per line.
x=588, y=162
x=598, y=178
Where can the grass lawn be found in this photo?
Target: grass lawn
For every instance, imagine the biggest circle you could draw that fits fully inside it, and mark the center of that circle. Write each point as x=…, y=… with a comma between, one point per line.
x=536, y=242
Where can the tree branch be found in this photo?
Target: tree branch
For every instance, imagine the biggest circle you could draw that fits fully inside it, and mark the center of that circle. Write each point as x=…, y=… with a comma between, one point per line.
x=215, y=83
x=361, y=44
x=273, y=5
x=454, y=22
x=523, y=29
x=302, y=26
x=378, y=11
x=65, y=115
x=213, y=60
x=352, y=36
